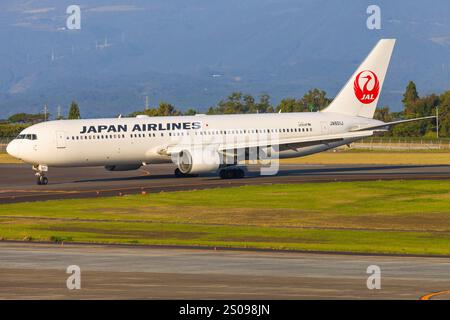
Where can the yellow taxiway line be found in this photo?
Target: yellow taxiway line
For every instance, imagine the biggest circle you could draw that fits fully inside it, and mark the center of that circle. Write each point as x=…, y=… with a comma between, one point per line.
x=434, y=294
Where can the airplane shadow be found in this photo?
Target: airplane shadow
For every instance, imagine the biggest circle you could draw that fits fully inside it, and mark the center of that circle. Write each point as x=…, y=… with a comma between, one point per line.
x=254, y=173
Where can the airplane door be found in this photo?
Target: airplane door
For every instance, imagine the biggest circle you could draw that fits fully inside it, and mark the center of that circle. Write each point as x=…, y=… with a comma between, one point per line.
x=60, y=139
x=324, y=126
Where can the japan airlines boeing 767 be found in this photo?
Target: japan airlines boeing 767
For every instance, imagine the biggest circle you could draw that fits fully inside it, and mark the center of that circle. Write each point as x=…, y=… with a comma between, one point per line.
x=206, y=143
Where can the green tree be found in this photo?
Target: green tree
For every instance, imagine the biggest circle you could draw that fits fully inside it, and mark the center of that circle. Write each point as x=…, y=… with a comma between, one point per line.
x=289, y=105
x=409, y=98
x=233, y=104
x=11, y=130
x=444, y=115
x=26, y=118
x=74, y=111
x=249, y=104
x=164, y=109
x=190, y=112
x=167, y=109
x=264, y=105
x=383, y=114
x=414, y=107
x=314, y=100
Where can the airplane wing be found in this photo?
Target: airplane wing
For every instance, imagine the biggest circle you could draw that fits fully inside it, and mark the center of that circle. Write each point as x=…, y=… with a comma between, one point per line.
x=284, y=143
x=384, y=125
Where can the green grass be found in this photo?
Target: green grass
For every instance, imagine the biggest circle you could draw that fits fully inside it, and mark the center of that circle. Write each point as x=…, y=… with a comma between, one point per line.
x=374, y=157
x=407, y=217
x=6, y=158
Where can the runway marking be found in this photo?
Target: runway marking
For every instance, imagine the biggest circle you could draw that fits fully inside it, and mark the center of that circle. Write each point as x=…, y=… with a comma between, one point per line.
x=434, y=294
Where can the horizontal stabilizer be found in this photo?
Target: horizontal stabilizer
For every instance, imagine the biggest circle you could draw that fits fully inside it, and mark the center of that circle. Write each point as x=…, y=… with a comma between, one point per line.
x=388, y=124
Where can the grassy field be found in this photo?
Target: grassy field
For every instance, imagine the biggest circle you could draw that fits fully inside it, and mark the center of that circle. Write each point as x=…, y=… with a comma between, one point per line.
x=373, y=157
x=6, y=158
x=406, y=217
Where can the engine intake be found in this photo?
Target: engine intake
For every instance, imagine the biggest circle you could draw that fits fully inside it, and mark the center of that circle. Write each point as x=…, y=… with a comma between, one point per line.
x=198, y=161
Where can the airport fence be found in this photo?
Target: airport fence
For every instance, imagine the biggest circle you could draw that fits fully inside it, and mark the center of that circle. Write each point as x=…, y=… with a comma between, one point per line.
x=401, y=144
x=3, y=143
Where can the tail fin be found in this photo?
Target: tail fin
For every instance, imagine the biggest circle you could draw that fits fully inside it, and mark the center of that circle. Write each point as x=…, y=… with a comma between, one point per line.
x=360, y=95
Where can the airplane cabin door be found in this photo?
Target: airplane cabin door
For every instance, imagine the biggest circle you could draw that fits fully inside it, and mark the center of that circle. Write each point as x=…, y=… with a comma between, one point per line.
x=60, y=139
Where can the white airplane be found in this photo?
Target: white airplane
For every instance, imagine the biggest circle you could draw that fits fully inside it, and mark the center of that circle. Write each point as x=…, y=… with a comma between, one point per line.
x=207, y=143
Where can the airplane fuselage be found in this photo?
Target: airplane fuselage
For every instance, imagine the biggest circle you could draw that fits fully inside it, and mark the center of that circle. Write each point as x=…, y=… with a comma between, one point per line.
x=121, y=141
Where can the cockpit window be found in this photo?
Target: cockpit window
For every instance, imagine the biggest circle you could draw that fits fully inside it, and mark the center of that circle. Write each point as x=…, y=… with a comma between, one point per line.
x=27, y=136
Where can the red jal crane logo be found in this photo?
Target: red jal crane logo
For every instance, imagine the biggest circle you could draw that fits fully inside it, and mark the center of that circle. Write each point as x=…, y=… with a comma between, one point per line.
x=370, y=87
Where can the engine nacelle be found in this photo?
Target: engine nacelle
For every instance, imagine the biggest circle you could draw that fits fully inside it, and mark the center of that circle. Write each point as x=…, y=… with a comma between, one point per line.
x=198, y=161
x=123, y=167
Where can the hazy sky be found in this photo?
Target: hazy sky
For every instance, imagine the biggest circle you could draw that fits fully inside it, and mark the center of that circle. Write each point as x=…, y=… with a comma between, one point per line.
x=194, y=52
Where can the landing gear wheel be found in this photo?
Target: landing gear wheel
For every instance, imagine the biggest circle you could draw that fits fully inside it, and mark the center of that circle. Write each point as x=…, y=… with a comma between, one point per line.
x=42, y=180
x=41, y=170
x=235, y=173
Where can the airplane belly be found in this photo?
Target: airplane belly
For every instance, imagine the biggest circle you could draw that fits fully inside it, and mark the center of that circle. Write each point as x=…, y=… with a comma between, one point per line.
x=305, y=151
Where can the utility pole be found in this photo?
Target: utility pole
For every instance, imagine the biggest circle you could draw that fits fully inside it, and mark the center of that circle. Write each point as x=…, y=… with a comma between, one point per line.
x=45, y=112
x=59, y=113
x=146, y=102
x=437, y=122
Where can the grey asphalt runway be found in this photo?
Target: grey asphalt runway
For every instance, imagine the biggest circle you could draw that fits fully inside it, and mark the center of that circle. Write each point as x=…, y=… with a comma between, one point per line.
x=31, y=271
x=17, y=181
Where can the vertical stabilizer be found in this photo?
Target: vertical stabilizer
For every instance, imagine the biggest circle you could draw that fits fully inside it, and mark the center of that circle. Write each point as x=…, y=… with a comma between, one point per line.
x=359, y=97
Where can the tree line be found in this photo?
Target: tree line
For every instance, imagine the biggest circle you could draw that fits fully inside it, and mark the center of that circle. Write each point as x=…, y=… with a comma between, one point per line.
x=314, y=100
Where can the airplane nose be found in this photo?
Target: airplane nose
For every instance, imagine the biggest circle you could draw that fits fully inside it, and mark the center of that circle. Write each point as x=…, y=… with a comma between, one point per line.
x=13, y=149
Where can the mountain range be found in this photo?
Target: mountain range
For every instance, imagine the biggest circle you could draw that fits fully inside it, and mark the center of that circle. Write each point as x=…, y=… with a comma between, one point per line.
x=192, y=53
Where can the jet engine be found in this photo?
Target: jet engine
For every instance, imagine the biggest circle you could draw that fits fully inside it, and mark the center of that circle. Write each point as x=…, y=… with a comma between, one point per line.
x=123, y=167
x=197, y=161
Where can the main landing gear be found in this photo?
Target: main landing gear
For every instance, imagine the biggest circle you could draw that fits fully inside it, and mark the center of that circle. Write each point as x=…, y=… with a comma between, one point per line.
x=40, y=174
x=232, y=173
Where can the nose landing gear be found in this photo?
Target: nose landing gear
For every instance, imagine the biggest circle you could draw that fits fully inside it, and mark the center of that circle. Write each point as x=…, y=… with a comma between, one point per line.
x=42, y=180
x=40, y=174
